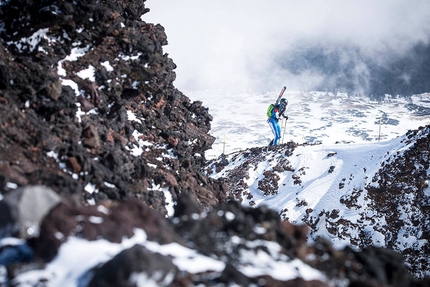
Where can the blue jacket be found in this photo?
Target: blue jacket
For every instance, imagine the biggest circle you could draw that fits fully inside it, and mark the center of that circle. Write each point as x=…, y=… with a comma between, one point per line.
x=277, y=113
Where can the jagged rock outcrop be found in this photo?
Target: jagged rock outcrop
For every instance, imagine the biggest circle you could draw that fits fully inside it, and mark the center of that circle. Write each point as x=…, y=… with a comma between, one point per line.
x=400, y=193
x=88, y=106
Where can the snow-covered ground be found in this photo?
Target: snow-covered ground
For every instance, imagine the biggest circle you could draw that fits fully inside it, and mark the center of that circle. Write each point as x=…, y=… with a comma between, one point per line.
x=321, y=169
x=240, y=120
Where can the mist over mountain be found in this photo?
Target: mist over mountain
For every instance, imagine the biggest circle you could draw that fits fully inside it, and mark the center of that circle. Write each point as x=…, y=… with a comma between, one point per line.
x=370, y=48
x=348, y=69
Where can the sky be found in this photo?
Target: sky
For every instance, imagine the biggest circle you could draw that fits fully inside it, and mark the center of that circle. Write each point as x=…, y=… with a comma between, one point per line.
x=236, y=46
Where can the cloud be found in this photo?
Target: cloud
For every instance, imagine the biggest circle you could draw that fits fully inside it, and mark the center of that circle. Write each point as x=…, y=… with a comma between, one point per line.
x=241, y=45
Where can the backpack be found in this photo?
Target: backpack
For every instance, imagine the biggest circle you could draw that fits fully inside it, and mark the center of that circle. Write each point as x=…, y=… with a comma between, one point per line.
x=270, y=109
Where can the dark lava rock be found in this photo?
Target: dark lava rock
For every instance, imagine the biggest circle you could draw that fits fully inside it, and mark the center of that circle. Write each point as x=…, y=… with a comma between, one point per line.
x=126, y=268
x=111, y=220
x=67, y=131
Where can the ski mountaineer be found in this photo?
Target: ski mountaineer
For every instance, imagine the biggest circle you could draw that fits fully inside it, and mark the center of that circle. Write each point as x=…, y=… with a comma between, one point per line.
x=277, y=111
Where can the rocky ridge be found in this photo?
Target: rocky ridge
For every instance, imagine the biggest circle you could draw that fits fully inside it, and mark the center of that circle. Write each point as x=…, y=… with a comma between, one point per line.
x=120, y=129
x=391, y=201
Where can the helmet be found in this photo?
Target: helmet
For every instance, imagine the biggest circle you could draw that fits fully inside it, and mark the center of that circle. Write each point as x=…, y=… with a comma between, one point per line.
x=283, y=104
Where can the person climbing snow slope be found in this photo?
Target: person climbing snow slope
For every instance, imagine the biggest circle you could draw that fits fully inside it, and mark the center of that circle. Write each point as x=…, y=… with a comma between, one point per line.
x=274, y=113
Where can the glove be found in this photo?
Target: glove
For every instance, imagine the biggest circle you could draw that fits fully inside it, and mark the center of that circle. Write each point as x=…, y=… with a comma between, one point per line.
x=286, y=117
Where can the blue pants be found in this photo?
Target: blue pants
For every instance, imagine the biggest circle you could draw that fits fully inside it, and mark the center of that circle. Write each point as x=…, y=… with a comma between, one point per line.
x=276, y=130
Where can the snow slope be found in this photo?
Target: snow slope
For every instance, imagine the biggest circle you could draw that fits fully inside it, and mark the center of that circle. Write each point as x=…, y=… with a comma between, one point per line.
x=332, y=188
x=318, y=172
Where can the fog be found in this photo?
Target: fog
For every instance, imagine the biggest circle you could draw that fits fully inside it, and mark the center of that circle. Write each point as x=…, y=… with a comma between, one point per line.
x=242, y=46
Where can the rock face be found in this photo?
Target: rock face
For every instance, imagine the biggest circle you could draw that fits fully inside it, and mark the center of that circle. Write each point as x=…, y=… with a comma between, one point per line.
x=87, y=105
x=400, y=195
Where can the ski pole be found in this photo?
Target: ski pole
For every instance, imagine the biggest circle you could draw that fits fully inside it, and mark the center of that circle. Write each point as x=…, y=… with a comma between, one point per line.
x=223, y=148
x=380, y=123
x=285, y=127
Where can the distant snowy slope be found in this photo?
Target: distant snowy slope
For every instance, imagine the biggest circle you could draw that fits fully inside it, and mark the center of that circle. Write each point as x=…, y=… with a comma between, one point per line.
x=340, y=190
x=239, y=121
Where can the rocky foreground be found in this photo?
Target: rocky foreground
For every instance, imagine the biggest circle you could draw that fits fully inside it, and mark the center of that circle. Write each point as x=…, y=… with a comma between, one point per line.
x=96, y=143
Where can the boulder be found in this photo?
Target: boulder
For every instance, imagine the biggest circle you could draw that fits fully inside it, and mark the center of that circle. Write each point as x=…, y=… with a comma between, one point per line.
x=134, y=265
x=109, y=220
x=24, y=209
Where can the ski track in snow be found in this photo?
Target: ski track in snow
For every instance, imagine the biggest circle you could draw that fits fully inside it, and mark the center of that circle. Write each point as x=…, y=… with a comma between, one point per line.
x=320, y=188
x=322, y=176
